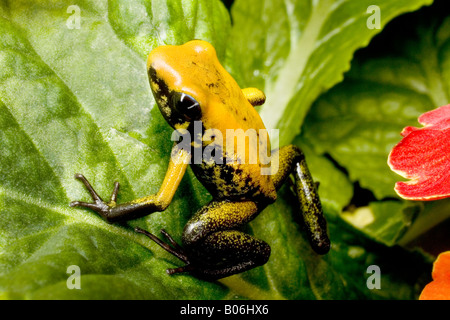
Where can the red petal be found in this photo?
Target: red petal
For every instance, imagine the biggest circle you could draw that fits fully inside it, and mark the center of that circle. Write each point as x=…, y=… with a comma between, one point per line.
x=423, y=156
x=408, y=130
x=438, y=118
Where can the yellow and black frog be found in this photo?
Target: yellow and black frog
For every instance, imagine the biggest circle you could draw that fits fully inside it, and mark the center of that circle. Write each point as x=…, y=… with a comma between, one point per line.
x=191, y=87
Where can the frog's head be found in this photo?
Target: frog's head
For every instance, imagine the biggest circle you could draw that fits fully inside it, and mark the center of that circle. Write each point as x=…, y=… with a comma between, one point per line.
x=177, y=78
x=189, y=84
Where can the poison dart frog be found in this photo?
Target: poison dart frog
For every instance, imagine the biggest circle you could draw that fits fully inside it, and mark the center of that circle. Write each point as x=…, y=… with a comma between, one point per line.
x=190, y=86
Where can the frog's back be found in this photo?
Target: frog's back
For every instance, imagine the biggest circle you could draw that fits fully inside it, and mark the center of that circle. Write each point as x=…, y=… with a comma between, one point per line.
x=243, y=172
x=224, y=109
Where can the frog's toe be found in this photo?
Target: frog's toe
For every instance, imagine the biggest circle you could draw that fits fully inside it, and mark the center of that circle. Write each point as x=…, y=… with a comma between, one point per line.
x=88, y=186
x=83, y=204
x=175, y=249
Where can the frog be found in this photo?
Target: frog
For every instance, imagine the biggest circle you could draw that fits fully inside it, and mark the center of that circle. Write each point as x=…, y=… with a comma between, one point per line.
x=190, y=86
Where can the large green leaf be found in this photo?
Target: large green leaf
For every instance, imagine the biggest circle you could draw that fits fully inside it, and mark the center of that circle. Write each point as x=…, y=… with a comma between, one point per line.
x=78, y=100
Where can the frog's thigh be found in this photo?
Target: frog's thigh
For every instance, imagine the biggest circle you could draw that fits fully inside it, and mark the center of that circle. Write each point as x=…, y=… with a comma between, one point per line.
x=216, y=247
x=218, y=216
x=225, y=253
x=292, y=160
x=232, y=248
x=287, y=157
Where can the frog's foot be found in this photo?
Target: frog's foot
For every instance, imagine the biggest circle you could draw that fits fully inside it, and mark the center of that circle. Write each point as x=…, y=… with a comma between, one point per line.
x=174, y=248
x=99, y=206
x=201, y=269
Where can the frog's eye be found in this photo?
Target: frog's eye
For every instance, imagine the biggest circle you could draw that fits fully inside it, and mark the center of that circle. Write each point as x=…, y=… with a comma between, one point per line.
x=186, y=105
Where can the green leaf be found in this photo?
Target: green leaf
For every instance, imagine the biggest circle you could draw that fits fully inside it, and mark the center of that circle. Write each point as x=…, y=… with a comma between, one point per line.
x=402, y=74
x=299, y=49
x=384, y=221
x=78, y=100
x=403, y=274
x=394, y=222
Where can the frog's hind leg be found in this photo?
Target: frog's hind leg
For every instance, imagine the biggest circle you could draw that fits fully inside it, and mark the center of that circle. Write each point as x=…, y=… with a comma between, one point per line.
x=212, y=247
x=291, y=160
x=224, y=253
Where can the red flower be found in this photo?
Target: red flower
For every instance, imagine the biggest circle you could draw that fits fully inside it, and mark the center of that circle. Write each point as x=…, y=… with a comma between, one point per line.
x=423, y=156
x=439, y=288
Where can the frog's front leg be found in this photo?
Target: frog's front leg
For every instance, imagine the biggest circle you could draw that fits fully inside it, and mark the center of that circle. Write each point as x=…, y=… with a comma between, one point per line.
x=213, y=248
x=255, y=96
x=291, y=160
x=113, y=212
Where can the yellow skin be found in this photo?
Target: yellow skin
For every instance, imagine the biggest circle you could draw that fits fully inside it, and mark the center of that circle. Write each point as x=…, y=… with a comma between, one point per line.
x=190, y=85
